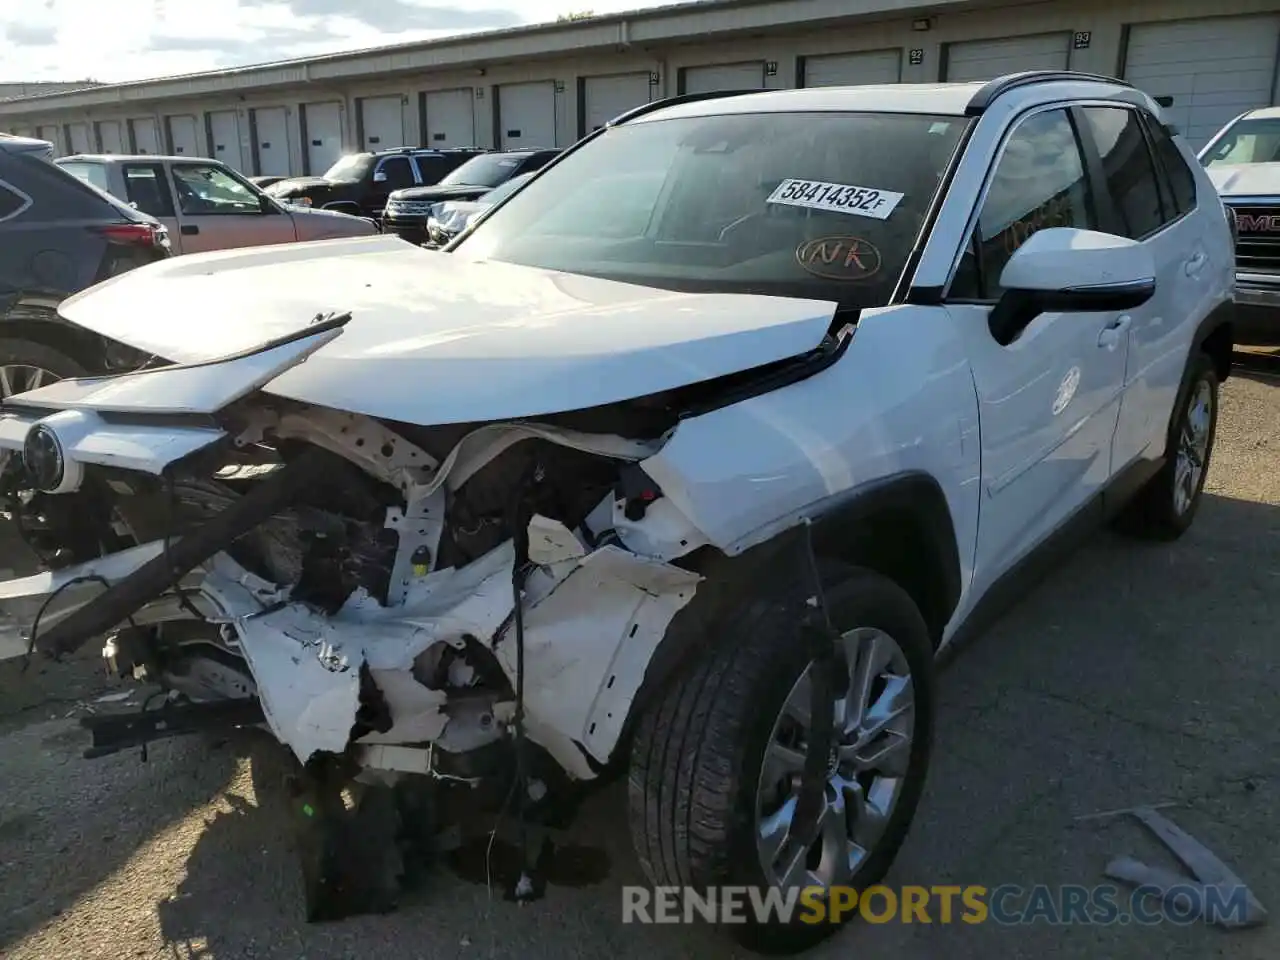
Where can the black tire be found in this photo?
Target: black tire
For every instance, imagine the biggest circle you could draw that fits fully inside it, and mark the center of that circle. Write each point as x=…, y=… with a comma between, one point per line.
x=698, y=750
x=30, y=353
x=1153, y=514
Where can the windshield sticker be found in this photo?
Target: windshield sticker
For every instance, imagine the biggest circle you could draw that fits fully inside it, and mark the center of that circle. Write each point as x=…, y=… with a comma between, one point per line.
x=839, y=258
x=836, y=197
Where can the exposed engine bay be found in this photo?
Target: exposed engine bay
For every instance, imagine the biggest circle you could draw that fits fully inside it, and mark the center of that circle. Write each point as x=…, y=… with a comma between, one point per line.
x=366, y=598
x=459, y=603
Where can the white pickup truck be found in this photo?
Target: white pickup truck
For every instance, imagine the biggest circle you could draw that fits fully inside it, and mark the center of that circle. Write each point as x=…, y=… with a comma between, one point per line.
x=208, y=206
x=1243, y=161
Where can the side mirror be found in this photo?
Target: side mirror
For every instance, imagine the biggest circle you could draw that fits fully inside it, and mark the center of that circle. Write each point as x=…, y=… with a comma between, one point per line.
x=380, y=176
x=1065, y=270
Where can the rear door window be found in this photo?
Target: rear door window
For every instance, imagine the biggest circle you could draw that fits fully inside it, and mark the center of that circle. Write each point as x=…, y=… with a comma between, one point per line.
x=431, y=169
x=146, y=189
x=399, y=173
x=1129, y=168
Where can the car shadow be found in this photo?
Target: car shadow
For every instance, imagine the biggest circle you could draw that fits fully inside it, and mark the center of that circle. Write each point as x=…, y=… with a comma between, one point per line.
x=68, y=824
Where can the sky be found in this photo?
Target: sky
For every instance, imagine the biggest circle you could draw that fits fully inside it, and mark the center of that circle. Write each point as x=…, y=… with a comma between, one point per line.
x=118, y=40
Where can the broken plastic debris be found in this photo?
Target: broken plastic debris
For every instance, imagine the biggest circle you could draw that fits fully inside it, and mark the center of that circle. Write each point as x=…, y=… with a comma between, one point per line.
x=115, y=697
x=1207, y=869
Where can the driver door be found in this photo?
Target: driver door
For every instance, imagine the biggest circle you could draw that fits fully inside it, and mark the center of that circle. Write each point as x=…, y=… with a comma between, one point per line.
x=1049, y=400
x=217, y=211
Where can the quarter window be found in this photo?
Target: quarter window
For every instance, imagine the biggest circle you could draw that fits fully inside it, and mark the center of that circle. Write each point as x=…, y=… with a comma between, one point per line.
x=1182, y=182
x=11, y=203
x=1039, y=182
x=1129, y=169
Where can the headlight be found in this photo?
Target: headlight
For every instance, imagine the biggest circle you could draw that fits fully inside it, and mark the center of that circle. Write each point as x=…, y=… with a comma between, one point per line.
x=47, y=467
x=298, y=201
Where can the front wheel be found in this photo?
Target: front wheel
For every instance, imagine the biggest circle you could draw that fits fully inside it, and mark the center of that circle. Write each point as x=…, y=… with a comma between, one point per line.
x=717, y=761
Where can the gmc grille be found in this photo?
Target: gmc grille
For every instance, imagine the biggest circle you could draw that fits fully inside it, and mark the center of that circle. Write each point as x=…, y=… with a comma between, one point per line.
x=1258, y=244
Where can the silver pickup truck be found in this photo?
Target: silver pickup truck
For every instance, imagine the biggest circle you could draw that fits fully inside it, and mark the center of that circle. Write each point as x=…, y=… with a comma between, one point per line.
x=1243, y=161
x=208, y=206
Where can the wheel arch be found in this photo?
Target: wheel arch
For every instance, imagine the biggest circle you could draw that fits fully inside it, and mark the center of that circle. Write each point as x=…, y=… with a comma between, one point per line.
x=43, y=325
x=900, y=527
x=1215, y=337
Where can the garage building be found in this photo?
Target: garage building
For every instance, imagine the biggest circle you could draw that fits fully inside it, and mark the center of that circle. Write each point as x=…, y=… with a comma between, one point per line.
x=549, y=84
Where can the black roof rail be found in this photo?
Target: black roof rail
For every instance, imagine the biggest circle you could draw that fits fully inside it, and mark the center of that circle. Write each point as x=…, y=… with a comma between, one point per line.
x=992, y=89
x=653, y=105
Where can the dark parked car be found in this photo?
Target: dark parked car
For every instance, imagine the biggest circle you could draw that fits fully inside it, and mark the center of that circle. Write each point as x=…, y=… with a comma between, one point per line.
x=58, y=235
x=360, y=183
x=408, y=211
x=265, y=181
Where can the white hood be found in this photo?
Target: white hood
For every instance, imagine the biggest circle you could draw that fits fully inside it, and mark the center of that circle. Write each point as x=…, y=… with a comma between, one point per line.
x=1246, y=179
x=435, y=338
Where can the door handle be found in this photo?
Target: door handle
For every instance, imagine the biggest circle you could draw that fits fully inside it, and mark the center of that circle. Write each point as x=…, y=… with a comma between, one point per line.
x=1196, y=263
x=1111, y=334
x=190, y=229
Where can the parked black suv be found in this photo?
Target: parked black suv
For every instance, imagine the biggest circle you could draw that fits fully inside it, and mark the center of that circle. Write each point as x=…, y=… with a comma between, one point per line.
x=359, y=183
x=58, y=236
x=408, y=211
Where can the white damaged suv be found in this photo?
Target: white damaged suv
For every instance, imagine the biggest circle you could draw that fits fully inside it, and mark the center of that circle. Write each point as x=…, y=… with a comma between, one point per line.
x=685, y=460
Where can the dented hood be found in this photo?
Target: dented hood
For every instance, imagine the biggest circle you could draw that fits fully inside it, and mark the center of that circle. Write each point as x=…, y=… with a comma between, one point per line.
x=435, y=338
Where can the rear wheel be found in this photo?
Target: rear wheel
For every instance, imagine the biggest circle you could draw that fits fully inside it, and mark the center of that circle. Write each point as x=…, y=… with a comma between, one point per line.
x=1166, y=506
x=717, y=761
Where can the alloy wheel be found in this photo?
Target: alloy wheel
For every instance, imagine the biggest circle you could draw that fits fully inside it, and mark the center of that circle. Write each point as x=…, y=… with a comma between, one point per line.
x=1193, y=446
x=874, y=722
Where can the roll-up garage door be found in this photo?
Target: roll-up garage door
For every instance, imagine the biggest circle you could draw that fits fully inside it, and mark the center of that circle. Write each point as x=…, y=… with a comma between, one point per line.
x=81, y=138
x=527, y=115
x=726, y=76
x=183, y=139
x=146, y=139
x=604, y=98
x=271, y=125
x=880, y=66
x=51, y=133
x=324, y=136
x=1214, y=68
x=111, y=136
x=382, y=122
x=224, y=136
x=449, y=118
x=984, y=59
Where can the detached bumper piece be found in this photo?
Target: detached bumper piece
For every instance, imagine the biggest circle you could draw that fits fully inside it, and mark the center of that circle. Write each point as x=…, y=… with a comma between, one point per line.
x=115, y=732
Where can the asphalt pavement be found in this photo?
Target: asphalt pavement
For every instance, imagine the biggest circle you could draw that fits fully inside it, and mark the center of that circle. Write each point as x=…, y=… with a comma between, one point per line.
x=1137, y=674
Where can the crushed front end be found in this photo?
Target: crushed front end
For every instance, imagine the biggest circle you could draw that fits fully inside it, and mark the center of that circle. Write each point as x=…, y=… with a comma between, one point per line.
x=472, y=605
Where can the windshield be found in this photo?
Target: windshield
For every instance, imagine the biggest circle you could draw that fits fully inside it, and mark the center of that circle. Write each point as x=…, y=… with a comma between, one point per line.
x=502, y=191
x=351, y=168
x=821, y=205
x=487, y=170
x=1247, y=141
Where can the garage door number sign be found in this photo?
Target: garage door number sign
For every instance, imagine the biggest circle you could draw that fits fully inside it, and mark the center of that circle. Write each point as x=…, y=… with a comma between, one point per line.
x=837, y=198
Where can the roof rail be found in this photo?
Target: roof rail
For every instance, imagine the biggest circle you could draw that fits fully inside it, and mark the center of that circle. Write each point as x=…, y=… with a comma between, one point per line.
x=992, y=89
x=653, y=105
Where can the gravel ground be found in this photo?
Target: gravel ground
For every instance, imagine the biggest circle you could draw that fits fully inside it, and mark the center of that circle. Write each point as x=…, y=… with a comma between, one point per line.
x=1138, y=674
